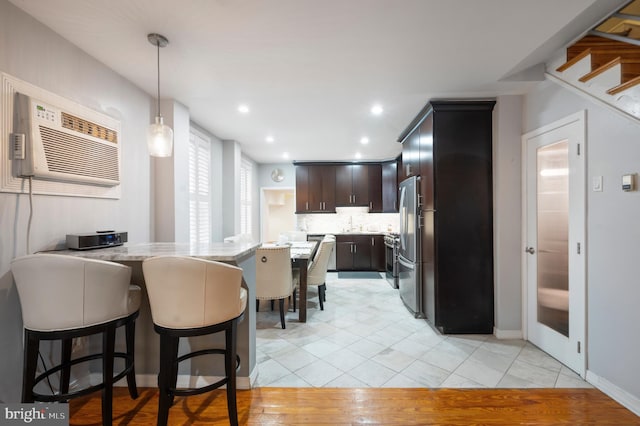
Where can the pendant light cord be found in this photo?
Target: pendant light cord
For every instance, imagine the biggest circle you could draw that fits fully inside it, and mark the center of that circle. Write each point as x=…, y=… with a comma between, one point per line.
x=158, y=46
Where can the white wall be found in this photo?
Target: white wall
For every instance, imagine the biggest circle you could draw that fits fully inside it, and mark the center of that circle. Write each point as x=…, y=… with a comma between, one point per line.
x=231, y=156
x=506, y=215
x=288, y=171
x=32, y=52
x=613, y=232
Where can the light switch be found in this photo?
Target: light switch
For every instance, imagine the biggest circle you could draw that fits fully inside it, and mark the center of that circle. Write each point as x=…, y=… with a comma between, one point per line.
x=597, y=184
x=628, y=182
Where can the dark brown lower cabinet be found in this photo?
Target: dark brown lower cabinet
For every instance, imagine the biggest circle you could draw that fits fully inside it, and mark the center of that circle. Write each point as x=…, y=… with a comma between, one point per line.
x=377, y=253
x=359, y=252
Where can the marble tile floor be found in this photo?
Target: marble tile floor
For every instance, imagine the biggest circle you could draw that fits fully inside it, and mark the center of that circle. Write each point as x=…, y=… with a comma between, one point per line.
x=365, y=337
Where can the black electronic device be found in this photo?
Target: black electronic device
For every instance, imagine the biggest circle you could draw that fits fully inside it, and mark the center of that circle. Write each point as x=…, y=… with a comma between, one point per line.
x=98, y=239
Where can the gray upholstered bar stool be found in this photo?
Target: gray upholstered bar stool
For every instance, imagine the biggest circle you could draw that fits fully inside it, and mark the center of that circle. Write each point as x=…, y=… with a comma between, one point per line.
x=65, y=297
x=194, y=297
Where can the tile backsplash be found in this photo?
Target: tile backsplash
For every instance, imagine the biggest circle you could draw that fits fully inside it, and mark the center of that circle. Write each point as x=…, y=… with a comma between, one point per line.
x=348, y=219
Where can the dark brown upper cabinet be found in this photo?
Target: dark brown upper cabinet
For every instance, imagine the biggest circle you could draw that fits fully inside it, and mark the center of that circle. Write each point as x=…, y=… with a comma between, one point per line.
x=315, y=189
x=352, y=185
x=375, y=188
x=389, y=187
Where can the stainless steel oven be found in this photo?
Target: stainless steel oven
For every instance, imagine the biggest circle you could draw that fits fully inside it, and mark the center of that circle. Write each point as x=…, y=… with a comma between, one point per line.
x=391, y=243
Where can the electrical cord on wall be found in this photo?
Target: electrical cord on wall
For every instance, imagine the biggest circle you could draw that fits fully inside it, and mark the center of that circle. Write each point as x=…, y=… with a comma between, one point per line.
x=30, y=214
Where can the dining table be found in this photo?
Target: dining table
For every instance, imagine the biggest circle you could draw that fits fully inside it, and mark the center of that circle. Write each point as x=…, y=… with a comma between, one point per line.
x=301, y=253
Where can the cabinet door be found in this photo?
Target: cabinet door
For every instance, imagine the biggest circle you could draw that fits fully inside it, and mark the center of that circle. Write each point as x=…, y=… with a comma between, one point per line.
x=411, y=155
x=343, y=186
x=344, y=255
x=362, y=253
x=328, y=188
x=302, y=189
x=389, y=187
x=360, y=184
x=375, y=188
x=322, y=184
x=377, y=253
x=426, y=163
x=315, y=188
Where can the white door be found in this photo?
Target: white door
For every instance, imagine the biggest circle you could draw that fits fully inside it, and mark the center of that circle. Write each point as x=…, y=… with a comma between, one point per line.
x=554, y=241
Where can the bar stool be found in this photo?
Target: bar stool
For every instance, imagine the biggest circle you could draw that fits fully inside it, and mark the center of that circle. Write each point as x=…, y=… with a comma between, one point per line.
x=65, y=297
x=194, y=297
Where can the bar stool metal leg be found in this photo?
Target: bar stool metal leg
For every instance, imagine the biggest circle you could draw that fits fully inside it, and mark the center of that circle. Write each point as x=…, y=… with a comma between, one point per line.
x=108, y=348
x=65, y=376
x=31, y=348
x=130, y=333
x=167, y=375
x=230, y=370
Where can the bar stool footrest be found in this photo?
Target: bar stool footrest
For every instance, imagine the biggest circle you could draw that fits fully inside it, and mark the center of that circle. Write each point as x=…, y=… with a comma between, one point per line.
x=207, y=388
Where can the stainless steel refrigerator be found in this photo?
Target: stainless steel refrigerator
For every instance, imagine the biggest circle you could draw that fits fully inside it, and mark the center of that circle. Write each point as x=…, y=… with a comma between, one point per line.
x=409, y=256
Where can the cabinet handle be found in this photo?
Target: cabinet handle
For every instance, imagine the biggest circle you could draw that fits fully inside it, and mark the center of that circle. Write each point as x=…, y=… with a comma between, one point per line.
x=370, y=205
x=306, y=205
x=354, y=198
x=355, y=249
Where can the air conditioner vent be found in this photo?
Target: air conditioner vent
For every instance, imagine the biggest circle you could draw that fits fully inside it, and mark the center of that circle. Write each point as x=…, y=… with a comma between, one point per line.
x=79, y=156
x=61, y=146
x=88, y=128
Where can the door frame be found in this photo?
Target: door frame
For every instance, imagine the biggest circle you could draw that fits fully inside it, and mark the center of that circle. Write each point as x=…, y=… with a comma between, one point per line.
x=264, y=206
x=580, y=117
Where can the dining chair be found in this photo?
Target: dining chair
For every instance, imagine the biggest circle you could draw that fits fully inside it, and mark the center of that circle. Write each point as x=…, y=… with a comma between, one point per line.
x=317, y=272
x=63, y=298
x=274, y=277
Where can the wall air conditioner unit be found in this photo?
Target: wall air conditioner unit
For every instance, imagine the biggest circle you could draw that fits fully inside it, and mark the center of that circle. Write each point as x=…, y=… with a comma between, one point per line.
x=63, y=144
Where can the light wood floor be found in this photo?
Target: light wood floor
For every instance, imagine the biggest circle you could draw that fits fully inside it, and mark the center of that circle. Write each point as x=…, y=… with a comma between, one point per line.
x=326, y=406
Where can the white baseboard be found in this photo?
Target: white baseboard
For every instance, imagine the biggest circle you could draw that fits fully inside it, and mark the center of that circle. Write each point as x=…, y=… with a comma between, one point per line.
x=618, y=394
x=507, y=334
x=184, y=381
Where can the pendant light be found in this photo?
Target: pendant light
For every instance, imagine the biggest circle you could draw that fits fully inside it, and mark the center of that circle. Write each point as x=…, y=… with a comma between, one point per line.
x=159, y=135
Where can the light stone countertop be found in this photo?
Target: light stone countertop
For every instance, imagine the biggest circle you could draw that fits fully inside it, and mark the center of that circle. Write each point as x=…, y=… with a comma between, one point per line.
x=222, y=252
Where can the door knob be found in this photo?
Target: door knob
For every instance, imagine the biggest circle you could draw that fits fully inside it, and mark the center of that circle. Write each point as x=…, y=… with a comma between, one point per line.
x=530, y=250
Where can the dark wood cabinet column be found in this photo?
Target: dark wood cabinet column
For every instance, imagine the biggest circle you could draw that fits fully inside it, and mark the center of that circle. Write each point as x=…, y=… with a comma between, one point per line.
x=454, y=162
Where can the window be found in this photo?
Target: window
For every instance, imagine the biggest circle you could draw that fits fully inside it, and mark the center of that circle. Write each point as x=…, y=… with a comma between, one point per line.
x=245, y=196
x=199, y=188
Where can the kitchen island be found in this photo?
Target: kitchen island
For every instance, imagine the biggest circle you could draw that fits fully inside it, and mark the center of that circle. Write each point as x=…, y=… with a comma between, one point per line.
x=147, y=346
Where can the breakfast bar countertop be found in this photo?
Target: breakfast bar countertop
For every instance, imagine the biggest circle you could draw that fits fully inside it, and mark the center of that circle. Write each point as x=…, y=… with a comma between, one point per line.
x=222, y=252
x=240, y=254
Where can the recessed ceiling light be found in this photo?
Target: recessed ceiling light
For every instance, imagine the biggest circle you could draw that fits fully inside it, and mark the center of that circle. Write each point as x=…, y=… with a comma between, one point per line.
x=285, y=155
x=269, y=139
x=377, y=109
x=243, y=109
x=358, y=156
x=364, y=140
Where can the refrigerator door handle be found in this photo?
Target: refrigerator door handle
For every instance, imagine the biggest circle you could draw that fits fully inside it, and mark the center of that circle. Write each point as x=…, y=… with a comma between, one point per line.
x=403, y=220
x=405, y=263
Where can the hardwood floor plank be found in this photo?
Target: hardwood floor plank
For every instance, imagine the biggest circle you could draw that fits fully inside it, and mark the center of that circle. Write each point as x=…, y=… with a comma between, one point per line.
x=326, y=406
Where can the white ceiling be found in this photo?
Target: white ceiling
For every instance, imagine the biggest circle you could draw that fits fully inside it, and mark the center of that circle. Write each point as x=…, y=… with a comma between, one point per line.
x=310, y=69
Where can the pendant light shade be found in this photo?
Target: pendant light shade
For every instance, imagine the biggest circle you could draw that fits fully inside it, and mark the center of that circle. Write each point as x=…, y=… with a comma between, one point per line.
x=159, y=138
x=159, y=135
